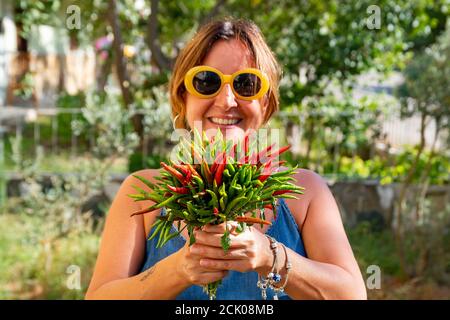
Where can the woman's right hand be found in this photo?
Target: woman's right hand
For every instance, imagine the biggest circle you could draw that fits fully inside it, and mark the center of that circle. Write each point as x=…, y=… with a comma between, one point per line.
x=189, y=268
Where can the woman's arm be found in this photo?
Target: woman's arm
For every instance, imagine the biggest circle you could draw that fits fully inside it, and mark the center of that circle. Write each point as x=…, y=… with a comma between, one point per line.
x=329, y=272
x=122, y=252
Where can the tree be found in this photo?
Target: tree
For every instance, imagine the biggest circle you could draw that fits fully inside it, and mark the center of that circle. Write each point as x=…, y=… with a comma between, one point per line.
x=425, y=93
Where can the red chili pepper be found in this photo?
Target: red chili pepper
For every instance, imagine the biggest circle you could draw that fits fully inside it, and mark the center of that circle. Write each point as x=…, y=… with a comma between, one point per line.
x=219, y=173
x=208, y=175
x=233, y=151
x=193, y=171
x=252, y=220
x=267, y=171
x=216, y=211
x=181, y=168
x=263, y=154
x=218, y=161
x=279, y=151
x=268, y=206
x=188, y=178
x=246, y=143
x=279, y=192
x=181, y=190
x=173, y=172
x=244, y=159
x=278, y=163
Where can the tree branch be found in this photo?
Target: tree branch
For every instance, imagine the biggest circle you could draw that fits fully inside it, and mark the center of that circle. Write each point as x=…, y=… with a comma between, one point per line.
x=158, y=57
x=122, y=73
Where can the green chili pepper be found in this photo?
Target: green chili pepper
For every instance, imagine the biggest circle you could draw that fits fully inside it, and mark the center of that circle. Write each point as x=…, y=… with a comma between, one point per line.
x=163, y=234
x=158, y=224
x=233, y=203
x=170, y=236
x=146, y=182
x=186, y=215
x=169, y=200
x=215, y=202
x=222, y=203
x=248, y=178
x=230, y=168
x=226, y=173
x=207, y=220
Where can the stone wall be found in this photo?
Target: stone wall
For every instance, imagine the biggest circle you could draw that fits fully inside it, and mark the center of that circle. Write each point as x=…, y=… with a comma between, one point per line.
x=368, y=200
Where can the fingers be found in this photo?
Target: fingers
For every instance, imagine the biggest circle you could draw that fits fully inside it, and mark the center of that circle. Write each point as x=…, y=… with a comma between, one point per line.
x=214, y=239
x=238, y=265
x=207, y=277
x=218, y=253
x=221, y=228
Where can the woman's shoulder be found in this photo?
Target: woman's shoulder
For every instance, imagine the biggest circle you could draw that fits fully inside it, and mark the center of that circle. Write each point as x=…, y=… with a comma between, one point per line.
x=313, y=185
x=132, y=181
x=309, y=179
x=145, y=173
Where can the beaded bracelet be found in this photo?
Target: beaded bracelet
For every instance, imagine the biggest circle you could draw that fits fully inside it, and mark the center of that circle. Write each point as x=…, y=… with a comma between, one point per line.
x=288, y=267
x=273, y=276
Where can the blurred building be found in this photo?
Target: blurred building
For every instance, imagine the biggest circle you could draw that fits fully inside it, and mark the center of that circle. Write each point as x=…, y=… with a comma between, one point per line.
x=41, y=65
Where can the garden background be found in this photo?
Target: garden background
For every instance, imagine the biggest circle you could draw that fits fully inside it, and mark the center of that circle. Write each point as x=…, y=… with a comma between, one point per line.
x=364, y=102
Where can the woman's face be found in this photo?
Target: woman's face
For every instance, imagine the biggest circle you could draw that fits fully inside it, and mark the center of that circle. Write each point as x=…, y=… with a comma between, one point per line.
x=205, y=114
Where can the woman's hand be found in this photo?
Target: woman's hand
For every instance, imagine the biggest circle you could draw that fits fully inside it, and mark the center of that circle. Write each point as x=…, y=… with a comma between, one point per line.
x=189, y=268
x=249, y=250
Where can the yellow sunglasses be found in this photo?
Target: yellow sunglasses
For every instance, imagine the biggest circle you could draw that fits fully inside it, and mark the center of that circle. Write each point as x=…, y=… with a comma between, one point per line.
x=206, y=82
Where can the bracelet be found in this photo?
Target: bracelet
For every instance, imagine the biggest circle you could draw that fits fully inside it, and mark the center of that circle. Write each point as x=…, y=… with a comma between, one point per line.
x=288, y=267
x=273, y=276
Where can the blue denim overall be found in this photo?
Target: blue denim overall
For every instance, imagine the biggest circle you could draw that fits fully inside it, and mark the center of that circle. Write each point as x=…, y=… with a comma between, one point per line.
x=236, y=285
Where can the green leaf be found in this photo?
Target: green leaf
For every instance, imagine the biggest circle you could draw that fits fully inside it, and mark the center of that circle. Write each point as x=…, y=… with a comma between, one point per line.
x=225, y=240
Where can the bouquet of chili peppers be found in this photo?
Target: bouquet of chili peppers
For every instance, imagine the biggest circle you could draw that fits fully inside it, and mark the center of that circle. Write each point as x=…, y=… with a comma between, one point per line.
x=215, y=181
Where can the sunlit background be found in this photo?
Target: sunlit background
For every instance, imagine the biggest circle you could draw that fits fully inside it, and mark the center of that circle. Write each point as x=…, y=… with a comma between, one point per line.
x=365, y=102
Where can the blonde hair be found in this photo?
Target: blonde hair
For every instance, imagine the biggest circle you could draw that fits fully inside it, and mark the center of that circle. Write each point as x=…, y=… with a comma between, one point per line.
x=198, y=47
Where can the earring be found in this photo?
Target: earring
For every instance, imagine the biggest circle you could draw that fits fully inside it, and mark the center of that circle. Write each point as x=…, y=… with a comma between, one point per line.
x=175, y=121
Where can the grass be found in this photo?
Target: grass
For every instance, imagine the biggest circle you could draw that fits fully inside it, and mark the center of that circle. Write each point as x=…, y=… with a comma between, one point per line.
x=33, y=267
x=378, y=248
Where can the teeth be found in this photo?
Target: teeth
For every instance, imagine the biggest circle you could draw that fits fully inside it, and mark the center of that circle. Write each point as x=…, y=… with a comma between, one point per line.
x=225, y=121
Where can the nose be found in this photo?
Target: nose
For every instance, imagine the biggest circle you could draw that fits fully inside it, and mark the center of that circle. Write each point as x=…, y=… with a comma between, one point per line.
x=226, y=98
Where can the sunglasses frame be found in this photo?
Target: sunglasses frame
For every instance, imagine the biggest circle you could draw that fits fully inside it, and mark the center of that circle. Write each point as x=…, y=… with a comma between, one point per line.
x=224, y=79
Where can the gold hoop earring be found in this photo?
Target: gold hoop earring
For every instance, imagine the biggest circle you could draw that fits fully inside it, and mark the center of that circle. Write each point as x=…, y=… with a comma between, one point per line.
x=174, y=122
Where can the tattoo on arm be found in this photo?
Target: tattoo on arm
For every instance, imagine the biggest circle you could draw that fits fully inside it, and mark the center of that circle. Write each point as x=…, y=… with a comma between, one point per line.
x=148, y=272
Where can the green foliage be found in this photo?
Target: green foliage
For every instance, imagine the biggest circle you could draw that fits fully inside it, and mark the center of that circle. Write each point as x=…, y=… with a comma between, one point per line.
x=67, y=117
x=392, y=168
x=374, y=248
x=427, y=79
x=26, y=86
x=33, y=268
x=332, y=127
x=137, y=161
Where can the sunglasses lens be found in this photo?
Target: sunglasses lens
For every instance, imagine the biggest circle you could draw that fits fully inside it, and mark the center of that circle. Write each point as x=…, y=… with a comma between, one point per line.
x=206, y=82
x=247, y=84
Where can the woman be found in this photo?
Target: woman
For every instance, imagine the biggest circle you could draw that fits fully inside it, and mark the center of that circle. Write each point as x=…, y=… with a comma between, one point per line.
x=323, y=265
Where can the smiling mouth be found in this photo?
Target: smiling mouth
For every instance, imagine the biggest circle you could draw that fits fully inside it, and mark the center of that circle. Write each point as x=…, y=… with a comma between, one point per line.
x=224, y=122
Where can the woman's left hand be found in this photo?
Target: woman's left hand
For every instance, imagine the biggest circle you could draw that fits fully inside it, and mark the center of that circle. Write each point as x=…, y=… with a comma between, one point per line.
x=249, y=250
